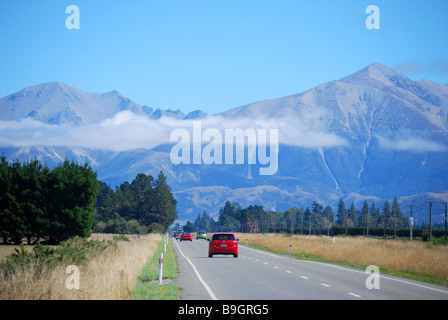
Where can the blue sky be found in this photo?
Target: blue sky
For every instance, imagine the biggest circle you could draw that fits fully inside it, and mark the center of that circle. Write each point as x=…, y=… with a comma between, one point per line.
x=215, y=55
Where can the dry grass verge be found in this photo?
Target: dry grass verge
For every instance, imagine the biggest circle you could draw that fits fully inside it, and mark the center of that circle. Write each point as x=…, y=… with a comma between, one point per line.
x=109, y=275
x=402, y=257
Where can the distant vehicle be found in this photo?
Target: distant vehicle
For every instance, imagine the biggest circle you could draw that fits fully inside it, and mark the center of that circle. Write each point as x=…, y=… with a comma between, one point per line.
x=179, y=232
x=223, y=243
x=201, y=235
x=186, y=236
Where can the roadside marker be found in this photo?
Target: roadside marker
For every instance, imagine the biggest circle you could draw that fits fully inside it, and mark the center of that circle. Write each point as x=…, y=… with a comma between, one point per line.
x=160, y=268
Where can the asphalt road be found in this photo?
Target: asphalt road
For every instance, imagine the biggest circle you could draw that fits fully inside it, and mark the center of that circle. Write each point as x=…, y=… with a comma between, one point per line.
x=259, y=275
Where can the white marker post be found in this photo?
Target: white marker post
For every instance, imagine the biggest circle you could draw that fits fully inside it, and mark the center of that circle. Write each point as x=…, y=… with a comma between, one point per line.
x=290, y=245
x=160, y=268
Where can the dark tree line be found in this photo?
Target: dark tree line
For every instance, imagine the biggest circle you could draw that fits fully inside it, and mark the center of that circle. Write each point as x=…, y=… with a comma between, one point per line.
x=37, y=202
x=315, y=219
x=46, y=204
x=144, y=205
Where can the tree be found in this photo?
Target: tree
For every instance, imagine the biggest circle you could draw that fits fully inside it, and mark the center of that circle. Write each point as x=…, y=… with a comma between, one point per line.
x=229, y=216
x=308, y=219
x=316, y=215
x=72, y=191
x=188, y=227
x=38, y=202
x=329, y=216
x=12, y=222
x=399, y=220
x=352, y=215
x=365, y=218
x=164, y=208
x=375, y=215
x=385, y=216
x=342, y=215
x=291, y=217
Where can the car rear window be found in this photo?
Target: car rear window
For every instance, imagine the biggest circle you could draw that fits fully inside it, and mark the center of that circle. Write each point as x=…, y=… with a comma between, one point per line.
x=223, y=237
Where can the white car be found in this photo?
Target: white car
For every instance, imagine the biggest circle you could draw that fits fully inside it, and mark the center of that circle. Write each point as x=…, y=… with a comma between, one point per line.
x=179, y=233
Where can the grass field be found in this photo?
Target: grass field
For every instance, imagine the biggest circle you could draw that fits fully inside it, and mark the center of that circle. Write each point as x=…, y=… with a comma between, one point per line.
x=110, y=275
x=147, y=287
x=415, y=260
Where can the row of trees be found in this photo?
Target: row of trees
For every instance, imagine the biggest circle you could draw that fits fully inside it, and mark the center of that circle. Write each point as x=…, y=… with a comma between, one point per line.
x=144, y=205
x=39, y=202
x=315, y=218
x=54, y=204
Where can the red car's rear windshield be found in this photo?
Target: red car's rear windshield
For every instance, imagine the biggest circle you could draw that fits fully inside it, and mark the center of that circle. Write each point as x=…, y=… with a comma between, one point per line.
x=223, y=237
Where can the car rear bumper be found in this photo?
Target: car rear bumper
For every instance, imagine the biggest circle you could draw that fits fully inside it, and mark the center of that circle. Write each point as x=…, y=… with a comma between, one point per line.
x=223, y=250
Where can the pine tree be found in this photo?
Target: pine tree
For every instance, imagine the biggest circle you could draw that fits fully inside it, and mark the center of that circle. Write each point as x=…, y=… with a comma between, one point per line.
x=165, y=211
x=342, y=213
x=365, y=215
x=316, y=215
x=399, y=220
x=375, y=215
x=352, y=215
x=308, y=219
x=385, y=217
x=329, y=216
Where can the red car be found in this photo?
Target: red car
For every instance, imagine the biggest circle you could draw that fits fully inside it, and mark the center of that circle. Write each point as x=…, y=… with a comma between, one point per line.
x=223, y=243
x=186, y=236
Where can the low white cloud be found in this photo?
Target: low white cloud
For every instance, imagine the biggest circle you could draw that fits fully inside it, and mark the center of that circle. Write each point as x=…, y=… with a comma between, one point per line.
x=127, y=130
x=411, y=143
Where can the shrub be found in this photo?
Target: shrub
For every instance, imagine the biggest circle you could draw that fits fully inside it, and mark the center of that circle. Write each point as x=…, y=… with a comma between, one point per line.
x=75, y=250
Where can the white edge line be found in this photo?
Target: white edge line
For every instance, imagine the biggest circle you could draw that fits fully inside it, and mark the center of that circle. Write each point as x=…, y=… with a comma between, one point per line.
x=210, y=292
x=353, y=270
x=382, y=276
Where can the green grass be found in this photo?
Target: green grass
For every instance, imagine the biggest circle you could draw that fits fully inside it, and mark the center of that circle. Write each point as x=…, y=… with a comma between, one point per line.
x=147, y=287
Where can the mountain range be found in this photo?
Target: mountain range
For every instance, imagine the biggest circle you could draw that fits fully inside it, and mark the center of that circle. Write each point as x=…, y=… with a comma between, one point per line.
x=373, y=135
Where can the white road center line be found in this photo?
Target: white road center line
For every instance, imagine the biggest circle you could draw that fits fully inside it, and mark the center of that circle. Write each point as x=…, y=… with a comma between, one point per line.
x=355, y=295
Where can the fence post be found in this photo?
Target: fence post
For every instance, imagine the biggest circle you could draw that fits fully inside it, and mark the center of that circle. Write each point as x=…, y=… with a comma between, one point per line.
x=160, y=267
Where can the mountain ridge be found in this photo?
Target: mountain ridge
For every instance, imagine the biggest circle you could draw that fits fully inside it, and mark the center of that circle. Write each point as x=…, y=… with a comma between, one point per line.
x=395, y=132
x=59, y=103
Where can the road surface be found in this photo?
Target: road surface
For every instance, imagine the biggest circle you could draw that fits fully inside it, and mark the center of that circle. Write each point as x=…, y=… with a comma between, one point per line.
x=260, y=275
